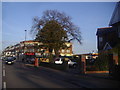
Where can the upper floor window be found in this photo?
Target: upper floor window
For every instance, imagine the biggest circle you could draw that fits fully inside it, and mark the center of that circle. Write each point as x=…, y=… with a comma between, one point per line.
x=22, y=45
x=100, y=39
x=68, y=51
x=63, y=50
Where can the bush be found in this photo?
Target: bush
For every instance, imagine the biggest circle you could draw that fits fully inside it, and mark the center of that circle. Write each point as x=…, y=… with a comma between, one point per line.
x=102, y=62
x=91, y=68
x=116, y=72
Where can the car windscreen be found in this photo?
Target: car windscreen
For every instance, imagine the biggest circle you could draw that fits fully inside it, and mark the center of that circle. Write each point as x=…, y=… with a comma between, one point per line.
x=57, y=59
x=9, y=57
x=9, y=60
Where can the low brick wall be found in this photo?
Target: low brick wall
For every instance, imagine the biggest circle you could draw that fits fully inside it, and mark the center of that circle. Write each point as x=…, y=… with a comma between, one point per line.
x=97, y=72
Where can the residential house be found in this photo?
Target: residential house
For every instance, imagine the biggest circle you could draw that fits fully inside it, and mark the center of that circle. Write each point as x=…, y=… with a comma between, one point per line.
x=108, y=38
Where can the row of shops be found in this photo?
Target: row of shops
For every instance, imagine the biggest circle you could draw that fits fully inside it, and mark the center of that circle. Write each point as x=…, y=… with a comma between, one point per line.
x=34, y=48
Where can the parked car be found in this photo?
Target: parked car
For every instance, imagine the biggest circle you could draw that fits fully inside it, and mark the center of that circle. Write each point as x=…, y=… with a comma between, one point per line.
x=30, y=60
x=9, y=60
x=2, y=58
x=72, y=63
x=59, y=60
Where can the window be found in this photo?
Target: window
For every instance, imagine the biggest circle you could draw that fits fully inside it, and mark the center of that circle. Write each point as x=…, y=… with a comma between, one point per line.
x=63, y=51
x=31, y=50
x=100, y=39
x=22, y=45
x=68, y=51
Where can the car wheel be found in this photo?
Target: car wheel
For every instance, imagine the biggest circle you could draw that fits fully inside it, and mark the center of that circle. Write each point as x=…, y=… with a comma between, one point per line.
x=74, y=66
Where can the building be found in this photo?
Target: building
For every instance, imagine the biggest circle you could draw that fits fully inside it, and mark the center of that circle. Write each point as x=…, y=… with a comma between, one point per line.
x=30, y=46
x=9, y=51
x=108, y=38
x=36, y=47
x=41, y=49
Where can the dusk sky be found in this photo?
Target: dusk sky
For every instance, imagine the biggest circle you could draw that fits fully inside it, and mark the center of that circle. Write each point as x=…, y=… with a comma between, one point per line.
x=88, y=16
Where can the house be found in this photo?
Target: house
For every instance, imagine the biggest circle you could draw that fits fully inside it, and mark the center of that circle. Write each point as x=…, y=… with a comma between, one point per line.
x=108, y=38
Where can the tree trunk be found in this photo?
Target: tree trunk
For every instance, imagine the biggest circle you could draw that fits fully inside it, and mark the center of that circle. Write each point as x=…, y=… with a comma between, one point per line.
x=50, y=55
x=57, y=53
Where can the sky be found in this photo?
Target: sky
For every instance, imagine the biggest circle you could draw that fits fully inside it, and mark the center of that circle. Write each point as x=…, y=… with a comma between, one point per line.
x=88, y=16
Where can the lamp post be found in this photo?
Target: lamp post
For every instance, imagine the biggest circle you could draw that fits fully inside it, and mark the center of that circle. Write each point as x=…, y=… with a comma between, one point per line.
x=25, y=34
x=25, y=40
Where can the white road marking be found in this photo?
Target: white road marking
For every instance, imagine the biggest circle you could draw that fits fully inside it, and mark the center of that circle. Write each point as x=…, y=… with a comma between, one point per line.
x=3, y=72
x=3, y=66
x=4, y=85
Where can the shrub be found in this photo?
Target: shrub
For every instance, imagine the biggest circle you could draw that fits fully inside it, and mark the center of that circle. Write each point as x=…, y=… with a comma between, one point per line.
x=102, y=62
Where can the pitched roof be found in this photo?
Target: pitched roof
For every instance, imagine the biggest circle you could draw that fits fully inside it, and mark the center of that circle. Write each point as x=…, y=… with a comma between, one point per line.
x=101, y=31
x=116, y=15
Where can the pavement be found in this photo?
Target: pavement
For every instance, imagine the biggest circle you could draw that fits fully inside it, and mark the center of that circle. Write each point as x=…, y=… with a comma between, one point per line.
x=96, y=75
x=76, y=72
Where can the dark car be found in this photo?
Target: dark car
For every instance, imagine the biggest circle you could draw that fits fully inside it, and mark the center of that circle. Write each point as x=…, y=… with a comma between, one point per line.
x=9, y=60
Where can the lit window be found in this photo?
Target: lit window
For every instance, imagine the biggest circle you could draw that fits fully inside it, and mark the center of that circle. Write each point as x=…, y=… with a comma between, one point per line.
x=68, y=51
x=63, y=51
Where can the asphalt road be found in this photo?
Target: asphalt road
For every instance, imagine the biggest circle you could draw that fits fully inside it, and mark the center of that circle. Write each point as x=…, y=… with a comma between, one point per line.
x=19, y=75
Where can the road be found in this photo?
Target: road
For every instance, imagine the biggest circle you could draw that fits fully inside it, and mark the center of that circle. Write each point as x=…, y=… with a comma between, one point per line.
x=20, y=75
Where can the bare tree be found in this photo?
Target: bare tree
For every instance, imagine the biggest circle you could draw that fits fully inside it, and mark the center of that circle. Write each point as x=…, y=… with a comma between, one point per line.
x=55, y=28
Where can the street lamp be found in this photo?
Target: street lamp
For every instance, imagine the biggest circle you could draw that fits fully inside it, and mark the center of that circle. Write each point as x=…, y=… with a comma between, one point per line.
x=25, y=40
x=25, y=34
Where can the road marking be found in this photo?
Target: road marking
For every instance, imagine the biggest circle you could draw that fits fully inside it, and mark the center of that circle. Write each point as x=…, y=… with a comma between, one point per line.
x=3, y=66
x=3, y=72
x=4, y=85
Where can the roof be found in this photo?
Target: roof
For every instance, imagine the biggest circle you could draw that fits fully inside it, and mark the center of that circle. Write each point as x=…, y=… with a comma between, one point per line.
x=101, y=31
x=28, y=41
x=116, y=15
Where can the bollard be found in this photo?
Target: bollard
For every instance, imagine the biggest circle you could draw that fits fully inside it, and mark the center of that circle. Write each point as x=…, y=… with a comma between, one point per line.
x=36, y=62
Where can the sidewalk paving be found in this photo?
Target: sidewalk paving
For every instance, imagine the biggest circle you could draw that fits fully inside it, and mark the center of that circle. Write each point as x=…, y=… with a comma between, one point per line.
x=77, y=72
x=104, y=75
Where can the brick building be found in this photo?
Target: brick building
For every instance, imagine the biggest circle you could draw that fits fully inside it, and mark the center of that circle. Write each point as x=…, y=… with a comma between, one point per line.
x=108, y=38
x=35, y=47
